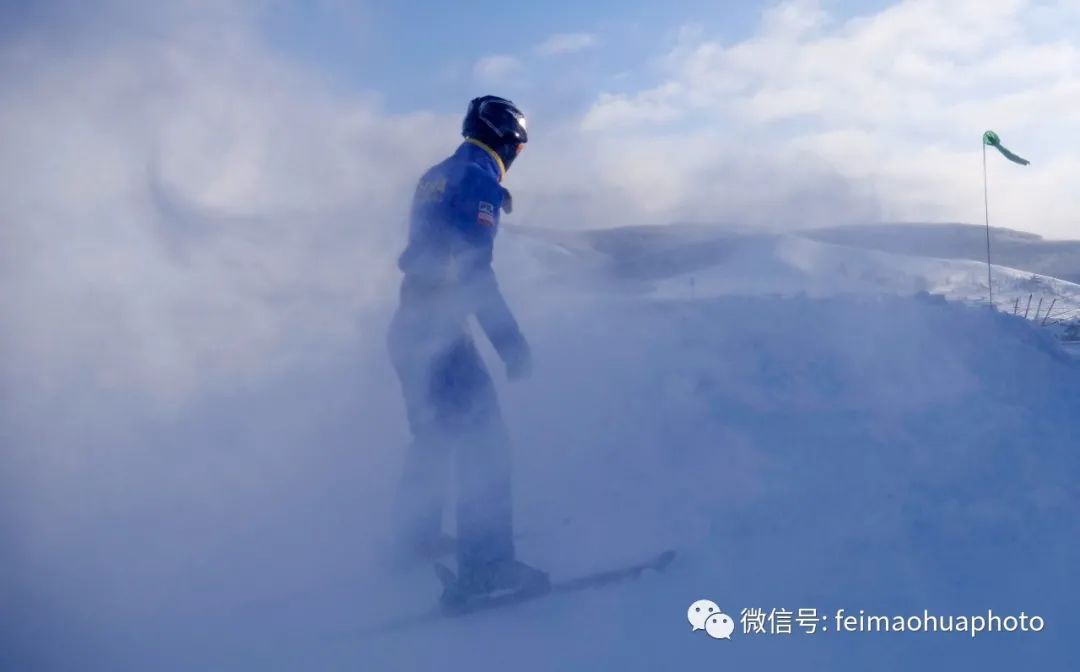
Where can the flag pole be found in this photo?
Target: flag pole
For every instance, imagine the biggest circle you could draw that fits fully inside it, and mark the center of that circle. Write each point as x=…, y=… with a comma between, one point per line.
x=986, y=212
x=991, y=138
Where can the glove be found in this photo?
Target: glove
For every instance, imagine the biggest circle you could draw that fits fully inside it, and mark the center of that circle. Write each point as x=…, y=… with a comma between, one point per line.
x=508, y=201
x=519, y=366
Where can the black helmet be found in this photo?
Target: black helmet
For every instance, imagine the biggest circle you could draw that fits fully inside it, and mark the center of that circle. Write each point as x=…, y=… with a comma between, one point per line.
x=497, y=123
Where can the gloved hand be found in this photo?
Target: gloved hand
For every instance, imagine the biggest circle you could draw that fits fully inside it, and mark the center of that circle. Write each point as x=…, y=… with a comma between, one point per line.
x=519, y=366
x=508, y=201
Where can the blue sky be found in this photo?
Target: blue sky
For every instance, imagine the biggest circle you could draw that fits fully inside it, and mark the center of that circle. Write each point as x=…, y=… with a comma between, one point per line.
x=419, y=54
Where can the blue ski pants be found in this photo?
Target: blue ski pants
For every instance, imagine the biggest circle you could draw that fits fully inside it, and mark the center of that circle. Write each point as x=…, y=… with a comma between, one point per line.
x=456, y=425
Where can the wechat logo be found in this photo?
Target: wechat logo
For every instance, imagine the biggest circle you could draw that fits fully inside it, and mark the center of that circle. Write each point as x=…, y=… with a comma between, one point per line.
x=705, y=615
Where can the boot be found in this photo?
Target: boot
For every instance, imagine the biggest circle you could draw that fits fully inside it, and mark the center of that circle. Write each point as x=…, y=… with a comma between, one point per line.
x=508, y=577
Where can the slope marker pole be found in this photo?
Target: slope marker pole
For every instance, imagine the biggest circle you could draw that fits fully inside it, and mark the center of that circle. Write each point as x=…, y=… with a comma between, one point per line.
x=986, y=212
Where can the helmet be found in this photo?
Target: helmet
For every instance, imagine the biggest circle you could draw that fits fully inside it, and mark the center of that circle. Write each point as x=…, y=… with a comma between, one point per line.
x=497, y=123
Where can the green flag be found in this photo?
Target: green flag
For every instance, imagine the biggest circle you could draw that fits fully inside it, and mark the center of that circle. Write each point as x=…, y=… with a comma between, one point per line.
x=991, y=138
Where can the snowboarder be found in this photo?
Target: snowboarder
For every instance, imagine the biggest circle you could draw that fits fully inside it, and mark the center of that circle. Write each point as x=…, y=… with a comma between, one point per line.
x=450, y=400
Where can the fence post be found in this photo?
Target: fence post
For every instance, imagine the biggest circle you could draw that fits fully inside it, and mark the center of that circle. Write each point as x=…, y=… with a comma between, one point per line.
x=1048, y=311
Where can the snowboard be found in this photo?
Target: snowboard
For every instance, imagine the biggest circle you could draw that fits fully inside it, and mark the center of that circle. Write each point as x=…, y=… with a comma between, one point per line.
x=598, y=579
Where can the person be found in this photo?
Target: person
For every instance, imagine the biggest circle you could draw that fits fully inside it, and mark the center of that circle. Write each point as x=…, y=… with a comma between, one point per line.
x=450, y=400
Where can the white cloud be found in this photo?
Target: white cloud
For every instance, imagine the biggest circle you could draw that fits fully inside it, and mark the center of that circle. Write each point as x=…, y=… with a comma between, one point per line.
x=496, y=68
x=912, y=86
x=659, y=105
x=565, y=43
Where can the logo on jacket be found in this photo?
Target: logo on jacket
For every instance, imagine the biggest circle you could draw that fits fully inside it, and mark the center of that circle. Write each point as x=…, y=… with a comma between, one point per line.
x=486, y=215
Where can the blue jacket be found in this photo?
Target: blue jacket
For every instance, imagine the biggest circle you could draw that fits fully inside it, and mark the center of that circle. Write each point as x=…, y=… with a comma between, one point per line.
x=454, y=219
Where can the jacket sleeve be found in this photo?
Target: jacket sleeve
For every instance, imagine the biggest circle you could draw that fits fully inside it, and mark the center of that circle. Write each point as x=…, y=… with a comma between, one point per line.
x=479, y=217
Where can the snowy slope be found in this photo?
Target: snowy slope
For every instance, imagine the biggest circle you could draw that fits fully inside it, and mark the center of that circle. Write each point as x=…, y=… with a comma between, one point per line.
x=700, y=261
x=1017, y=249
x=793, y=264
x=839, y=446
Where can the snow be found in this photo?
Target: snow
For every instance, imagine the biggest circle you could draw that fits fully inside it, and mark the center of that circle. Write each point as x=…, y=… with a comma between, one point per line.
x=1017, y=249
x=828, y=454
x=810, y=425
x=704, y=261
